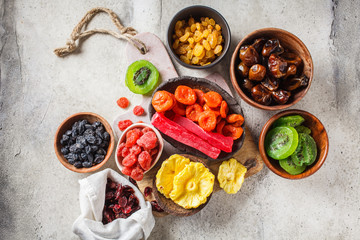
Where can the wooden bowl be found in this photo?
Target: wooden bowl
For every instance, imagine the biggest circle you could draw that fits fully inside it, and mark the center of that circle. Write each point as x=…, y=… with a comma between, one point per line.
x=171, y=207
x=204, y=85
x=197, y=12
x=319, y=134
x=67, y=124
x=122, y=139
x=288, y=41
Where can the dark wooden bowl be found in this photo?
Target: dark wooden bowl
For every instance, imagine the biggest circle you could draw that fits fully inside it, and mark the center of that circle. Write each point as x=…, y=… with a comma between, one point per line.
x=67, y=124
x=319, y=134
x=197, y=12
x=171, y=207
x=204, y=85
x=288, y=41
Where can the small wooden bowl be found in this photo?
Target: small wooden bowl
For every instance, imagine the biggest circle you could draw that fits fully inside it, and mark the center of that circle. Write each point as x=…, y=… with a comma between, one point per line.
x=67, y=124
x=171, y=207
x=319, y=134
x=204, y=85
x=288, y=41
x=197, y=12
x=122, y=139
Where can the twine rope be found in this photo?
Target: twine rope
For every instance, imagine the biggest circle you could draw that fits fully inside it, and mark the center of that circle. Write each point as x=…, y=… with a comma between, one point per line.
x=126, y=33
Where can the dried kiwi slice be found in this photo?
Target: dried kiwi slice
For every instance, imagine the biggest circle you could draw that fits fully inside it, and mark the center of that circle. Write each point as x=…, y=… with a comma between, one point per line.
x=281, y=142
x=291, y=121
x=289, y=166
x=306, y=151
x=303, y=129
x=142, y=77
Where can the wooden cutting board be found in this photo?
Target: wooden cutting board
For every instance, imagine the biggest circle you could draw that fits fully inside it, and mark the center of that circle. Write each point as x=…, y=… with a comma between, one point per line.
x=248, y=155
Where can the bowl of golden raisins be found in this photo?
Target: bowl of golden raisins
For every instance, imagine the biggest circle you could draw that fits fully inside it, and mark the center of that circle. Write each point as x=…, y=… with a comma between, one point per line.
x=198, y=37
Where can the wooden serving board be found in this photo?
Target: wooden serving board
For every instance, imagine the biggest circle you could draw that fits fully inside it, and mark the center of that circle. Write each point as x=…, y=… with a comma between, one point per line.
x=248, y=155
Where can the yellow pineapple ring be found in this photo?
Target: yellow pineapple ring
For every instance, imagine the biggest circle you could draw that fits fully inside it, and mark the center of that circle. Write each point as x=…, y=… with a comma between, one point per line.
x=231, y=175
x=192, y=185
x=169, y=169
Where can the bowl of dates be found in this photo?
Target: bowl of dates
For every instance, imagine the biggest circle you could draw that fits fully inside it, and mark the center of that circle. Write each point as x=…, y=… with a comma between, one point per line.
x=271, y=69
x=84, y=142
x=293, y=144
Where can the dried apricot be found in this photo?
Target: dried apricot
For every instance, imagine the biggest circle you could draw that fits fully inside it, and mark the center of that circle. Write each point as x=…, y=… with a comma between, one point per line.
x=213, y=99
x=162, y=101
x=232, y=118
x=215, y=110
x=185, y=95
x=207, y=120
x=179, y=108
x=231, y=131
x=224, y=109
x=199, y=96
x=123, y=102
x=193, y=111
x=220, y=126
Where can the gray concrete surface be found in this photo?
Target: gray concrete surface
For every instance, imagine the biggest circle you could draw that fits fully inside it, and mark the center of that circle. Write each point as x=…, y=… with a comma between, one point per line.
x=39, y=197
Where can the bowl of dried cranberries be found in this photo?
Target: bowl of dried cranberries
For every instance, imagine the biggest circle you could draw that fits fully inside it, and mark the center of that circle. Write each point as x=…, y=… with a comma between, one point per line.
x=138, y=150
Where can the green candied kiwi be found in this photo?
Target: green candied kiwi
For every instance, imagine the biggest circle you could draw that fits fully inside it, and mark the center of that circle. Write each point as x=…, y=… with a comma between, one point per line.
x=303, y=129
x=142, y=77
x=281, y=142
x=306, y=151
x=289, y=166
x=291, y=121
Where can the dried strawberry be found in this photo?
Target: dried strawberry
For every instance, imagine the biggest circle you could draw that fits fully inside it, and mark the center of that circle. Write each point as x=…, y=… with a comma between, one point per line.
x=129, y=160
x=120, y=148
x=132, y=136
x=136, y=149
x=125, y=152
x=145, y=160
x=123, y=102
x=148, y=140
x=147, y=191
x=138, y=110
x=127, y=171
x=124, y=124
x=146, y=129
x=137, y=174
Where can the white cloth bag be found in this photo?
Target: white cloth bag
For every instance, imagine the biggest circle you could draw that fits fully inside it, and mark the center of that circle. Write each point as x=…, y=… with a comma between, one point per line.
x=92, y=199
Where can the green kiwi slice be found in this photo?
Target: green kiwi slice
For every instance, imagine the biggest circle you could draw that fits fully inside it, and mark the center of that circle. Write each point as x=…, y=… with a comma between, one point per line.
x=289, y=166
x=281, y=142
x=303, y=129
x=142, y=77
x=306, y=151
x=291, y=121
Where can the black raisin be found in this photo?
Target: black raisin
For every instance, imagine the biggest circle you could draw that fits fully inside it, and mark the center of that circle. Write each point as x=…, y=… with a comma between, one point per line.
x=90, y=139
x=89, y=132
x=99, y=159
x=71, y=161
x=72, y=148
x=88, y=126
x=78, y=164
x=90, y=158
x=64, y=151
x=68, y=132
x=81, y=140
x=106, y=136
x=98, y=141
x=101, y=151
x=87, y=164
x=98, y=133
x=94, y=148
x=83, y=156
x=87, y=149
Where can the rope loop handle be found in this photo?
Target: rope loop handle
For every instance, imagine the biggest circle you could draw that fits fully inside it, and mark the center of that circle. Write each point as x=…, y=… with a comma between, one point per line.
x=126, y=33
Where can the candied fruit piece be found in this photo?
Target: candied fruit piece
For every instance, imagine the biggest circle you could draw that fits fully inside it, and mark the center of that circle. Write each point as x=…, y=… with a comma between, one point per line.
x=127, y=171
x=137, y=174
x=124, y=124
x=125, y=151
x=136, y=149
x=120, y=149
x=148, y=140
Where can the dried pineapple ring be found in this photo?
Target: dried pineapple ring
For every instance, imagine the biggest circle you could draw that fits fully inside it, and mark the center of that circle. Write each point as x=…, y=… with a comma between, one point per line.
x=192, y=185
x=231, y=175
x=169, y=169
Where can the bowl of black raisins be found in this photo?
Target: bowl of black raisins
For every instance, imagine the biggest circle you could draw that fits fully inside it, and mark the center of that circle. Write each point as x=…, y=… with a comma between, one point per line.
x=84, y=142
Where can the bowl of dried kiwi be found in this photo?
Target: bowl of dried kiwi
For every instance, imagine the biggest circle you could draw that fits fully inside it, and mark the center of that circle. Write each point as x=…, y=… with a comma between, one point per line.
x=293, y=144
x=198, y=37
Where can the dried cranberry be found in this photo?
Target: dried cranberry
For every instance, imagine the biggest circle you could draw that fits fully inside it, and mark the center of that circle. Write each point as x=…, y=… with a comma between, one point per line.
x=127, y=209
x=147, y=191
x=123, y=201
x=155, y=206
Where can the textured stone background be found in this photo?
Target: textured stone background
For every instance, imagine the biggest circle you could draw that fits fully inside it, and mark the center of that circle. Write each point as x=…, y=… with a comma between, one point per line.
x=39, y=197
